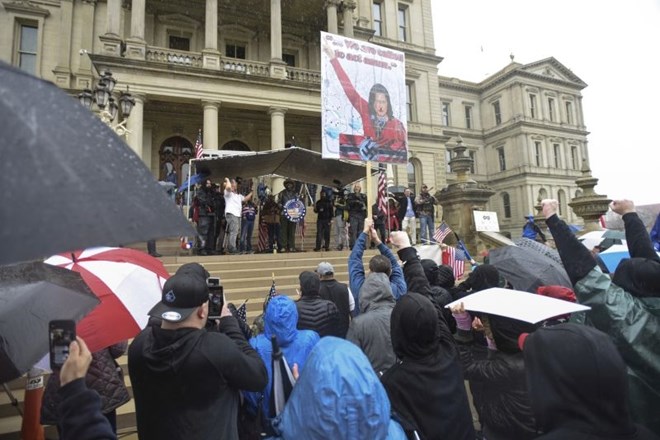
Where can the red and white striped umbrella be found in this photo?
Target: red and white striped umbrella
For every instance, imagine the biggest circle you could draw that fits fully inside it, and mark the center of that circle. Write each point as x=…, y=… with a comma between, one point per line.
x=127, y=281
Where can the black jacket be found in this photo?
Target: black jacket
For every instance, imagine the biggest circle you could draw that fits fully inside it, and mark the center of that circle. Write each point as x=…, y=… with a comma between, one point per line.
x=103, y=376
x=356, y=204
x=337, y=292
x=403, y=206
x=425, y=386
x=324, y=209
x=320, y=315
x=578, y=386
x=80, y=409
x=186, y=382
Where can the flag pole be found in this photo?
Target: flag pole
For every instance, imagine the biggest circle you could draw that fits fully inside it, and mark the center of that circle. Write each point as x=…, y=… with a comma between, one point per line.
x=370, y=191
x=188, y=192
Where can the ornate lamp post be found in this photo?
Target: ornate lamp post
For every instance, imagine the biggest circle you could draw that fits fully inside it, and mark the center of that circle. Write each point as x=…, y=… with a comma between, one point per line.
x=102, y=95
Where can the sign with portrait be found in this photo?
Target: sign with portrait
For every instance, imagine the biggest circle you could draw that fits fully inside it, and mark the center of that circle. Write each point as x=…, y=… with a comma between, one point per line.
x=486, y=221
x=363, y=100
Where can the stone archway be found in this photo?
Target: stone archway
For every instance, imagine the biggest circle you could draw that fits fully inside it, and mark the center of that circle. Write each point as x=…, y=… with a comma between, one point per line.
x=175, y=153
x=236, y=145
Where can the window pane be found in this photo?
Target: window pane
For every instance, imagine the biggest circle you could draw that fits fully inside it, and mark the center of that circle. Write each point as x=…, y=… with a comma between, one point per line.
x=240, y=52
x=468, y=117
x=411, y=177
x=29, y=39
x=402, y=25
x=376, y=10
x=179, y=43
x=28, y=63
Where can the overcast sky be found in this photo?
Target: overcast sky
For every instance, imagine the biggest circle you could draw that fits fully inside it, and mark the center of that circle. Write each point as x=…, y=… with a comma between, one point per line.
x=613, y=46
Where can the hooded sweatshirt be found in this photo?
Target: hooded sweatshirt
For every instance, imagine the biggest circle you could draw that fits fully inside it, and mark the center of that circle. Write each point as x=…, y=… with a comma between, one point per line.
x=578, y=386
x=337, y=397
x=280, y=321
x=371, y=329
x=426, y=386
x=186, y=381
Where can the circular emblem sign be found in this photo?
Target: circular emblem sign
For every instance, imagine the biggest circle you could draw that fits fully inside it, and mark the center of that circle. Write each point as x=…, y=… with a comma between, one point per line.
x=294, y=210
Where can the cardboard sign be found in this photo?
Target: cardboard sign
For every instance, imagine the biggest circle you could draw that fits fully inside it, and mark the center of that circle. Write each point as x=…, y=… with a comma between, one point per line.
x=486, y=221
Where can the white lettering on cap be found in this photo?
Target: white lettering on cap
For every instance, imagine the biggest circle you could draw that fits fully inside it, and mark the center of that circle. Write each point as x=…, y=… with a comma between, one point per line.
x=171, y=316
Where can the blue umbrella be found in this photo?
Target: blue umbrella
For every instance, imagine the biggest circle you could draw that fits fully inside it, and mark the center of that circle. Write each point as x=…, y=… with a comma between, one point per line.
x=613, y=256
x=194, y=180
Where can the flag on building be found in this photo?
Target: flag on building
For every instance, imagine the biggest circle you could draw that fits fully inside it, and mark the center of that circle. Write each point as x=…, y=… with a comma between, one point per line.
x=271, y=293
x=441, y=232
x=199, y=149
x=456, y=259
x=262, y=243
x=382, y=188
x=241, y=312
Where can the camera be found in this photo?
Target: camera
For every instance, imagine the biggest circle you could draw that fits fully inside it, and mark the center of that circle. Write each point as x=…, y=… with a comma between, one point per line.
x=216, y=297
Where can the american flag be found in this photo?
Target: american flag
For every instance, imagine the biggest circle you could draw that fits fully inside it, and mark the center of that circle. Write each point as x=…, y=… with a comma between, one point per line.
x=262, y=243
x=241, y=312
x=456, y=259
x=300, y=227
x=441, y=232
x=382, y=188
x=271, y=293
x=199, y=149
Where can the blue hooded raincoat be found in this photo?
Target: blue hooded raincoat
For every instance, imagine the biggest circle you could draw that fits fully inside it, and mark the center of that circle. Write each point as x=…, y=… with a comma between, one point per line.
x=280, y=320
x=338, y=396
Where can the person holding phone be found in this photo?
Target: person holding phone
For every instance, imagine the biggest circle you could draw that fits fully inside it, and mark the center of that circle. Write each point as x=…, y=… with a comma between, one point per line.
x=79, y=407
x=104, y=375
x=186, y=380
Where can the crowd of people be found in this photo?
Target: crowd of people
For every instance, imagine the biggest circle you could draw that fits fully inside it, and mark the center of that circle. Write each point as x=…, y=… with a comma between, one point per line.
x=382, y=357
x=226, y=216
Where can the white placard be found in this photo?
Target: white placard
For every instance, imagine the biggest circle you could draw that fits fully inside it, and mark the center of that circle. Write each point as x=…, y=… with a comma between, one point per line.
x=486, y=221
x=517, y=304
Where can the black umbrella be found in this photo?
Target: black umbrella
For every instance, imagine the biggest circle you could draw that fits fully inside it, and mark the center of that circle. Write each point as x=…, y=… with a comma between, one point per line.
x=527, y=269
x=539, y=247
x=68, y=181
x=283, y=380
x=31, y=295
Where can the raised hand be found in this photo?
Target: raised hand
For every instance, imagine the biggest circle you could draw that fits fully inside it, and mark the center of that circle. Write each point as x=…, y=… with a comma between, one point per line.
x=76, y=365
x=550, y=207
x=622, y=207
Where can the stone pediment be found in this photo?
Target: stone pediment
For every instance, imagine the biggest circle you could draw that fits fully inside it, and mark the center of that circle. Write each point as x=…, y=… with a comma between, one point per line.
x=551, y=68
x=179, y=20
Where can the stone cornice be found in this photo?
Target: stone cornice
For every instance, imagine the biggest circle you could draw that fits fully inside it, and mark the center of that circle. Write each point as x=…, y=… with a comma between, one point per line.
x=28, y=7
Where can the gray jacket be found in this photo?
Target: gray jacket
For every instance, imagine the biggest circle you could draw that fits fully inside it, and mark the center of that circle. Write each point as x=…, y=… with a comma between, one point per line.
x=371, y=329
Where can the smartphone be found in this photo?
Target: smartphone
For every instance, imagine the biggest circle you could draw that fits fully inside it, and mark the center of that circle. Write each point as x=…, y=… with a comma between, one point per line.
x=216, y=297
x=60, y=335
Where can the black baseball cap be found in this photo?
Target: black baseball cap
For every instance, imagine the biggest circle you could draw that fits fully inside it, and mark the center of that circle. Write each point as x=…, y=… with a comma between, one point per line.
x=182, y=294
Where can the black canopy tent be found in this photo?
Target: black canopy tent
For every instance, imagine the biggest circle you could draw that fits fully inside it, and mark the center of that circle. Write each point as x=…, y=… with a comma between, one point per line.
x=296, y=163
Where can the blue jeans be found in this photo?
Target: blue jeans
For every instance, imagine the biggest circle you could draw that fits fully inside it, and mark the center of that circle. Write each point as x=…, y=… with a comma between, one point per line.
x=426, y=229
x=247, y=227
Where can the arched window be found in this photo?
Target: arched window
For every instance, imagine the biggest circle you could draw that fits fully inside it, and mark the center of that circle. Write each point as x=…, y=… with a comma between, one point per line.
x=236, y=145
x=175, y=152
x=543, y=194
x=411, y=169
x=506, y=204
x=561, y=198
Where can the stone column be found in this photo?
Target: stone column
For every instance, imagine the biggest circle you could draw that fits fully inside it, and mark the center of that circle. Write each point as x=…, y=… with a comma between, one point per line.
x=349, y=7
x=63, y=69
x=331, y=9
x=83, y=65
x=210, y=138
x=136, y=47
x=210, y=54
x=277, y=140
x=112, y=38
x=136, y=125
x=277, y=66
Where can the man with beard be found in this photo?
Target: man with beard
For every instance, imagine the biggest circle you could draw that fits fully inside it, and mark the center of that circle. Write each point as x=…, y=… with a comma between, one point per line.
x=204, y=215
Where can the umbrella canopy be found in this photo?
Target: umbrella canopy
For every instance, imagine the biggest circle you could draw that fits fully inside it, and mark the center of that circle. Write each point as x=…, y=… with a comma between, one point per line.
x=605, y=238
x=127, y=281
x=283, y=380
x=540, y=248
x=31, y=295
x=613, y=255
x=527, y=269
x=68, y=181
x=194, y=180
x=296, y=163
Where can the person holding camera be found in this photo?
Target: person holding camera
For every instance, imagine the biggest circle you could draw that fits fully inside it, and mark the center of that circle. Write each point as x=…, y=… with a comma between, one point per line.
x=186, y=380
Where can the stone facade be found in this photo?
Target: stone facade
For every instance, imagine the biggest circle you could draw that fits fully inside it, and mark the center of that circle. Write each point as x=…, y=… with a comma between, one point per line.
x=248, y=75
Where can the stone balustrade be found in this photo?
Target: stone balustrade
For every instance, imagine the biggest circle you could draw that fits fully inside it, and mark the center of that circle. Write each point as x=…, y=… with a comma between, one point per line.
x=171, y=56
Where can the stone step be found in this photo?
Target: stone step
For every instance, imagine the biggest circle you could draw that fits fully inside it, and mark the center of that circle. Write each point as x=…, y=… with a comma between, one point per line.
x=243, y=276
